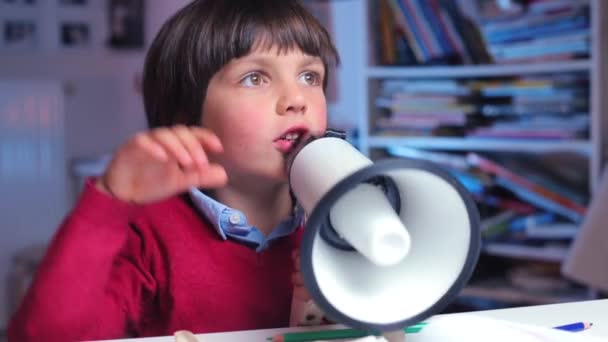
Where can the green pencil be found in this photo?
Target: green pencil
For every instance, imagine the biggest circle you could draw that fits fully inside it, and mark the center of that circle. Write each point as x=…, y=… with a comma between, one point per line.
x=306, y=336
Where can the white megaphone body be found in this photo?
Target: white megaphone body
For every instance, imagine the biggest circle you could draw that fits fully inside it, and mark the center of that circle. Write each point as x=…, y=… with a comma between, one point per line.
x=386, y=244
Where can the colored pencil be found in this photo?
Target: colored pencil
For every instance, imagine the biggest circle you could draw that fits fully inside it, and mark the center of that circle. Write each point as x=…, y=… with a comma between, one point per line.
x=306, y=336
x=575, y=327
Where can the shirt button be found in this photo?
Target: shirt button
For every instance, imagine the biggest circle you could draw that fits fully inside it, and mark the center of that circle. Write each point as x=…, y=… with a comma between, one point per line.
x=235, y=218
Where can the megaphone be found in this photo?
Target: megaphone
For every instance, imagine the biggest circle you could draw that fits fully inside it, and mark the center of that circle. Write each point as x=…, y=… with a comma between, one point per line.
x=387, y=244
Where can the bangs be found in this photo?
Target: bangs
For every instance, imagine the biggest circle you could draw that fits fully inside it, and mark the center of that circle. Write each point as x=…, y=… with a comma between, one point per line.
x=265, y=25
x=204, y=36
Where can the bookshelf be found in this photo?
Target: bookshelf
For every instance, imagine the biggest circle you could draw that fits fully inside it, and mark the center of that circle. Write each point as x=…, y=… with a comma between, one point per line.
x=463, y=144
x=476, y=70
x=592, y=146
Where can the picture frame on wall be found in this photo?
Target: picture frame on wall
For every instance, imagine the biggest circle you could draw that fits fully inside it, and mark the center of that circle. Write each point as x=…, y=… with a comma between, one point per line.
x=19, y=26
x=75, y=34
x=19, y=34
x=75, y=3
x=126, y=24
x=18, y=2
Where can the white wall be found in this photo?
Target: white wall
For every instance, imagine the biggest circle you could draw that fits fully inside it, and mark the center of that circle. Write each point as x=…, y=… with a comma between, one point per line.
x=32, y=172
x=345, y=19
x=102, y=108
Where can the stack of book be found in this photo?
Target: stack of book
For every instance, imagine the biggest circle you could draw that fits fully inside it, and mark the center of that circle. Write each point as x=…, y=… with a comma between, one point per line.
x=530, y=203
x=540, y=31
x=424, y=107
x=543, y=107
x=525, y=107
x=431, y=32
x=426, y=32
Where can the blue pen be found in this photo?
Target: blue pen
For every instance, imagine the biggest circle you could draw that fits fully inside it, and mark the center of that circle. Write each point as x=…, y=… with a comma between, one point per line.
x=574, y=327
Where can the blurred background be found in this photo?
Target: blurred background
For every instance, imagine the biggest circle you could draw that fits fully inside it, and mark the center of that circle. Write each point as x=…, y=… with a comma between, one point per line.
x=506, y=94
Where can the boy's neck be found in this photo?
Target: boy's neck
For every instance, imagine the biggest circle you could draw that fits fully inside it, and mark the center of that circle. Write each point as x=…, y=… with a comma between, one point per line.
x=265, y=207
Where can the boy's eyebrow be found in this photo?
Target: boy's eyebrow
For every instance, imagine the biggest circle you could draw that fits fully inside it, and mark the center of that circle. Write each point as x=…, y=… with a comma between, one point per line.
x=267, y=60
x=309, y=60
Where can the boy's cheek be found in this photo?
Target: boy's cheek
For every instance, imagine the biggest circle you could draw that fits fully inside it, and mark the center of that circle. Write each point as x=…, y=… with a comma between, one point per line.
x=321, y=127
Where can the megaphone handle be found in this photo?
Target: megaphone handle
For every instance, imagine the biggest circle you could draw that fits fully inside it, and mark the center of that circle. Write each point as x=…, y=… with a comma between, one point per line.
x=304, y=313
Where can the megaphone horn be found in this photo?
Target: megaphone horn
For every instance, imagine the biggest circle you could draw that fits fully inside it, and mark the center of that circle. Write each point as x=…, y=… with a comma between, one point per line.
x=386, y=244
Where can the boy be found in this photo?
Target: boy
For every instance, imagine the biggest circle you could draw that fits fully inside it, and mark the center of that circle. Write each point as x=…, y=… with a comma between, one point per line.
x=192, y=225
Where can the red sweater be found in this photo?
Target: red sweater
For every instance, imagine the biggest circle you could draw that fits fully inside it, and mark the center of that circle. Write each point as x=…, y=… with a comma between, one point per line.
x=116, y=270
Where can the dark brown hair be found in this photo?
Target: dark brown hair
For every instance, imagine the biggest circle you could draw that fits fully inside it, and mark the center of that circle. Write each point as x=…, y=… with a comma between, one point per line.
x=205, y=35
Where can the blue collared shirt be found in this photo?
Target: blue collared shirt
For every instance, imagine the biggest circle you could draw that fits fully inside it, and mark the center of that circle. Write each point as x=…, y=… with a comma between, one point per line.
x=232, y=223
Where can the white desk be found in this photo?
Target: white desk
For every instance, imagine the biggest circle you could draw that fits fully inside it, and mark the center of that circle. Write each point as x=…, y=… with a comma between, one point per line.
x=595, y=311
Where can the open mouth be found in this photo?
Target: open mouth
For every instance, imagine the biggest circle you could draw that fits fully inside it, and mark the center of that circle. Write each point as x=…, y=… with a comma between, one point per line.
x=286, y=142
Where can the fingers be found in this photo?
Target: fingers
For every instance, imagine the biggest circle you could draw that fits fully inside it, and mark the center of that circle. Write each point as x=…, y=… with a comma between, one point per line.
x=173, y=146
x=198, y=142
x=191, y=145
x=188, y=146
x=147, y=144
x=209, y=176
x=209, y=140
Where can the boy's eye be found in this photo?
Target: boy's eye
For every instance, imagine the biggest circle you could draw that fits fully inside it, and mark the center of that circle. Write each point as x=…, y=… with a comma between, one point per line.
x=311, y=78
x=253, y=79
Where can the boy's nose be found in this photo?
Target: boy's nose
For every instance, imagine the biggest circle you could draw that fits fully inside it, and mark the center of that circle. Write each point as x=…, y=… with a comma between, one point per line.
x=292, y=101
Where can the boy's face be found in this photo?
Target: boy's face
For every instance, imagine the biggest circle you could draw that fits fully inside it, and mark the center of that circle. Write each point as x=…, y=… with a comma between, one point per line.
x=258, y=105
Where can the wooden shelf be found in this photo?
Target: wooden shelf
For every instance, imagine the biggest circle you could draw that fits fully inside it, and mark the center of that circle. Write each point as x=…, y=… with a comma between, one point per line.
x=481, y=144
x=507, y=250
x=477, y=70
x=515, y=296
x=369, y=87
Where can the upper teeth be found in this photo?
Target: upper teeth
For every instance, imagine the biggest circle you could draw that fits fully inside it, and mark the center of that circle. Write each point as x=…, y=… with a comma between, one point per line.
x=291, y=136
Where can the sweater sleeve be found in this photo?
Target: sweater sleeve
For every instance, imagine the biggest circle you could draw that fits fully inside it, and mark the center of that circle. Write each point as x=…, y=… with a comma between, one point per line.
x=92, y=280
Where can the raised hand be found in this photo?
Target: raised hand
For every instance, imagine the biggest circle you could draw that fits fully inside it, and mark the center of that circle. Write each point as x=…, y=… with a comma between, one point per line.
x=304, y=311
x=160, y=163
x=299, y=291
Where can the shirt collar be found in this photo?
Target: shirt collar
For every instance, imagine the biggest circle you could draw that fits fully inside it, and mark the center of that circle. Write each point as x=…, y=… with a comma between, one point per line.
x=232, y=223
